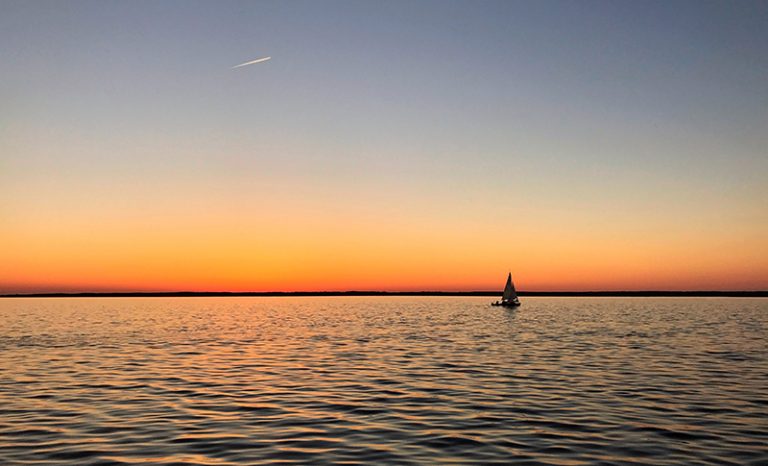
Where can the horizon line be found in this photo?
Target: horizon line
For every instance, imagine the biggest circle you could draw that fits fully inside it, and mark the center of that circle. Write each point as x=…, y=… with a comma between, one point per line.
x=479, y=293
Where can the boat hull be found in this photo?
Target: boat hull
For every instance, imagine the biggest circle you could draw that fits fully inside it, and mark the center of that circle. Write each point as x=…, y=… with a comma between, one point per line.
x=509, y=305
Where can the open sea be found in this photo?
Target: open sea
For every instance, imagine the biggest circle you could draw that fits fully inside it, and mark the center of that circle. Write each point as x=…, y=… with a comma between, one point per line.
x=383, y=380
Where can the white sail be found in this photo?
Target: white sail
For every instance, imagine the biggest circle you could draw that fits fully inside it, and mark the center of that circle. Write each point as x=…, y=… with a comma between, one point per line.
x=509, y=291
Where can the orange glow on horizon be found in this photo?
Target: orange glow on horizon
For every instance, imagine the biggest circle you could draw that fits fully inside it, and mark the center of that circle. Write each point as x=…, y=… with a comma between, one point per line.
x=302, y=241
x=402, y=258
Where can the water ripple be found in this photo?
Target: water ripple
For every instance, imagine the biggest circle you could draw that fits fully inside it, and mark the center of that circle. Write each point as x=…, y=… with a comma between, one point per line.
x=229, y=381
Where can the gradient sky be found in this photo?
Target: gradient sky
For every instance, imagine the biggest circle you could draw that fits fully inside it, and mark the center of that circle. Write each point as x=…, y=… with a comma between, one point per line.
x=386, y=145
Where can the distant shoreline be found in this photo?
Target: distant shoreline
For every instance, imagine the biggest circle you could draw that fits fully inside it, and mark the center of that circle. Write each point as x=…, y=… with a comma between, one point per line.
x=204, y=294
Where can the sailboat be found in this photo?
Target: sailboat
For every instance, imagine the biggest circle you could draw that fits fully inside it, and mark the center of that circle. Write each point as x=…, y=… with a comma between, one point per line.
x=509, y=299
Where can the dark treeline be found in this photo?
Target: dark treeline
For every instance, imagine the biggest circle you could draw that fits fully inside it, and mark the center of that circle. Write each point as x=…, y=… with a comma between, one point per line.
x=172, y=294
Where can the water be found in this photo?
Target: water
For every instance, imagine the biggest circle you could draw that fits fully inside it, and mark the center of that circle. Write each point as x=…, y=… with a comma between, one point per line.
x=397, y=380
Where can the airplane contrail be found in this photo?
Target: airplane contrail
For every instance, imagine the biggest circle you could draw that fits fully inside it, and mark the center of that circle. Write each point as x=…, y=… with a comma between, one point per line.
x=251, y=62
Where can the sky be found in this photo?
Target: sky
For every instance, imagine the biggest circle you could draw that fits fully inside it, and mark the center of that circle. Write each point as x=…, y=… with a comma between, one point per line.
x=387, y=145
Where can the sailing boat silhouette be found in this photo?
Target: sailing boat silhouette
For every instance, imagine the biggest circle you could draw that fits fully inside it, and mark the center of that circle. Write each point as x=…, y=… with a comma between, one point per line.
x=509, y=299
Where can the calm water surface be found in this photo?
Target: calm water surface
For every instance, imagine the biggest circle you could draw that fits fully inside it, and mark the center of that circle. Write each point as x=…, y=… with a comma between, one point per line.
x=399, y=380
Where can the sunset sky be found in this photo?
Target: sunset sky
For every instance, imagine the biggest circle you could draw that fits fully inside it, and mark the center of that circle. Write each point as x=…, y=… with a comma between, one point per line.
x=414, y=145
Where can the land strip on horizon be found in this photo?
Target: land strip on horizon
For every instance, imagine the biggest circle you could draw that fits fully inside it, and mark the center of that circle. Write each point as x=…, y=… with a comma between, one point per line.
x=175, y=294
